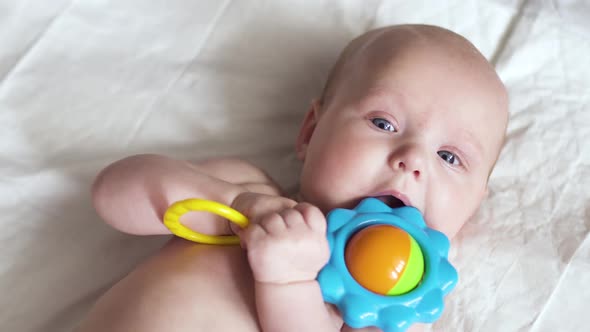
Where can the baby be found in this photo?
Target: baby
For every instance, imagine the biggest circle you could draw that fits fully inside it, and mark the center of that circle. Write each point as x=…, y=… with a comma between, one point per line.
x=411, y=114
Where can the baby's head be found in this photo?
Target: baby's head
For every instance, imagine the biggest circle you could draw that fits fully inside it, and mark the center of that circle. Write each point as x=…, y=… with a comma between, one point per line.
x=411, y=114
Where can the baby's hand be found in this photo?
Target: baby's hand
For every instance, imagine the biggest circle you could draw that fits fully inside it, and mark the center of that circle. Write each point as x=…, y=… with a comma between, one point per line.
x=257, y=205
x=288, y=246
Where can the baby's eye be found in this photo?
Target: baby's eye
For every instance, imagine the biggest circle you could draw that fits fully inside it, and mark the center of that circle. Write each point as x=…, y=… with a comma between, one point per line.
x=383, y=124
x=449, y=157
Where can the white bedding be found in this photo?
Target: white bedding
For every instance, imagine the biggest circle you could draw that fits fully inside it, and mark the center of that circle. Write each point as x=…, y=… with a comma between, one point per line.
x=84, y=83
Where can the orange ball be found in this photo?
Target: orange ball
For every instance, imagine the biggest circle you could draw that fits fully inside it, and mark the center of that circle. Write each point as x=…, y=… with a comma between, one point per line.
x=385, y=260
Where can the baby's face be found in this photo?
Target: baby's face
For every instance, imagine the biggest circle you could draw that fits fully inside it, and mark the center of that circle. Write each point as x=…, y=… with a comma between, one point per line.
x=422, y=129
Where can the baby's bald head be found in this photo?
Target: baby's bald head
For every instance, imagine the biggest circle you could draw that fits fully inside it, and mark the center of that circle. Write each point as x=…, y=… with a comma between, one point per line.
x=375, y=47
x=377, y=52
x=411, y=111
x=414, y=111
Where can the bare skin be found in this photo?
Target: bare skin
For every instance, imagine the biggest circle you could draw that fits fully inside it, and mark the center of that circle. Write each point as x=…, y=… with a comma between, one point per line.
x=186, y=286
x=415, y=109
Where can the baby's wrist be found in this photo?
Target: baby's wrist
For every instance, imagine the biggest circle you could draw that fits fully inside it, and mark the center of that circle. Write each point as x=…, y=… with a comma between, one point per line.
x=283, y=278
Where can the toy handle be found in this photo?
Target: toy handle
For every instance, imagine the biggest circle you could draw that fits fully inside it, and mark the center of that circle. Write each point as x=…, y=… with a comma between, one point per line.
x=178, y=209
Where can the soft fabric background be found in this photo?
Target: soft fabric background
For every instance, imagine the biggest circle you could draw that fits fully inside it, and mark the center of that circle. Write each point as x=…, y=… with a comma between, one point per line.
x=84, y=83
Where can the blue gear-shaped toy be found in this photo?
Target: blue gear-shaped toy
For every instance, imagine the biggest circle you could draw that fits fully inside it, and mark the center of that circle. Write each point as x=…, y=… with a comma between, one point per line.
x=360, y=307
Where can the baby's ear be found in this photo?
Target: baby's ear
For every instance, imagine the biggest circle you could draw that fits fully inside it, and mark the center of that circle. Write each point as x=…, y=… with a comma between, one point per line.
x=307, y=128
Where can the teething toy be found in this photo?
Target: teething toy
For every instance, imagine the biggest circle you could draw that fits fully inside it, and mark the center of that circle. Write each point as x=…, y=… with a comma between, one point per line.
x=409, y=272
x=384, y=259
x=386, y=269
x=176, y=210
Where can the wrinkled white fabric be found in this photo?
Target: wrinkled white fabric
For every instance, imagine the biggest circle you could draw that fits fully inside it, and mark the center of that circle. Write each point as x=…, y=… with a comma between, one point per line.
x=83, y=83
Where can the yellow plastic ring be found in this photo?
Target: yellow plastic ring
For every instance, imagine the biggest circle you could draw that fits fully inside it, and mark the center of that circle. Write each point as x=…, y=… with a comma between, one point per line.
x=178, y=209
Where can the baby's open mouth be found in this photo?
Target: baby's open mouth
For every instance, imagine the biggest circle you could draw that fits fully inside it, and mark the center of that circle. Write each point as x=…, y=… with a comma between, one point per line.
x=391, y=201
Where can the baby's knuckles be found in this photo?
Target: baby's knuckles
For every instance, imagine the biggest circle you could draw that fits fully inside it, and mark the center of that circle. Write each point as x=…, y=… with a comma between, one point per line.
x=313, y=217
x=295, y=254
x=256, y=205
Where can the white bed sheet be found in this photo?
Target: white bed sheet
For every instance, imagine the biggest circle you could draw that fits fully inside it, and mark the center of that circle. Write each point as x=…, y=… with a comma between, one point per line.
x=84, y=83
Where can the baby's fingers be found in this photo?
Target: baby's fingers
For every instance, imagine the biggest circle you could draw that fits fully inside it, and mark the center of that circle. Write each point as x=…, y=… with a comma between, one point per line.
x=257, y=206
x=273, y=224
x=252, y=234
x=313, y=216
x=293, y=218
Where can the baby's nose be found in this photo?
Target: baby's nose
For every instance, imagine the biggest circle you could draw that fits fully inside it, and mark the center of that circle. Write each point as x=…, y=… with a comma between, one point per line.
x=402, y=166
x=410, y=160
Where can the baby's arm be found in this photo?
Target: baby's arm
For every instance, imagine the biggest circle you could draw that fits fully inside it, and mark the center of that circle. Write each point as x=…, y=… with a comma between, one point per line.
x=297, y=306
x=132, y=194
x=286, y=250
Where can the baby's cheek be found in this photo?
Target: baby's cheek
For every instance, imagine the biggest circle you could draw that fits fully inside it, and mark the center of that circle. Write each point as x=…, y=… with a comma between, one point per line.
x=448, y=217
x=331, y=175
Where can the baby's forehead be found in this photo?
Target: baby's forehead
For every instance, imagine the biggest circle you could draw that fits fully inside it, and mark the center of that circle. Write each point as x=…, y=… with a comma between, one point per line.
x=377, y=48
x=436, y=64
x=446, y=52
x=436, y=59
x=465, y=107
